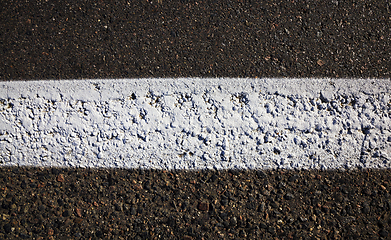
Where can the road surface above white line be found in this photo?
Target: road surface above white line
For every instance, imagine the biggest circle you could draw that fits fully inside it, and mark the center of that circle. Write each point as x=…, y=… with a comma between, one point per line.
x=196, y=123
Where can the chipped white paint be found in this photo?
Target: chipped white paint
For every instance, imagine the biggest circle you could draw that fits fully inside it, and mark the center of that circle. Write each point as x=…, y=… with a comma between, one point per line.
x=197, y=123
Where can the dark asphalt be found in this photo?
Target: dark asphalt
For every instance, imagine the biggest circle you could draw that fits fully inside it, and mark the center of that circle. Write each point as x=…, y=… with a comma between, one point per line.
x=59, y=39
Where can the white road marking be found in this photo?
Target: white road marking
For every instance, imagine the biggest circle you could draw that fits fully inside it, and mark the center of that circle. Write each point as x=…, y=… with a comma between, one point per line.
x=195, y=123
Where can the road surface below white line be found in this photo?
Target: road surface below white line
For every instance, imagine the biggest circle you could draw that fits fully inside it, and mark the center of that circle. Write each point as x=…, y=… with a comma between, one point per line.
x=196, y=123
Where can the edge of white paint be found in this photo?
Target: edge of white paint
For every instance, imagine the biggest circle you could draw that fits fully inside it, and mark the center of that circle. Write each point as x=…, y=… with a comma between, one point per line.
x=197, y=123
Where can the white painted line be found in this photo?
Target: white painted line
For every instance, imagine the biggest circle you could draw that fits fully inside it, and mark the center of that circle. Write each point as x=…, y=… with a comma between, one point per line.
x=197, y=123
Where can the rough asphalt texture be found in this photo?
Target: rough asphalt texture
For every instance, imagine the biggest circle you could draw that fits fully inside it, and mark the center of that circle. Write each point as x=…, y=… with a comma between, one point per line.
x=137, y=204
x=160, y=38
x=63, y=40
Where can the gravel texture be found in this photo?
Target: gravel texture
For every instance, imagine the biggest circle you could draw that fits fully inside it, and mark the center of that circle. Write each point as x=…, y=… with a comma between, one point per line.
x=41, y=203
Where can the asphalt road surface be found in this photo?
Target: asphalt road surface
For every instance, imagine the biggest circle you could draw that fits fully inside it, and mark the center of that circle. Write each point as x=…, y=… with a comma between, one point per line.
x=52, y=40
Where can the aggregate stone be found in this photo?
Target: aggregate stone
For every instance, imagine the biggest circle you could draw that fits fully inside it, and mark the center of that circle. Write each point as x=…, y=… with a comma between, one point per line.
x=60, y=178
x=289, y=196
x=203, y=206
